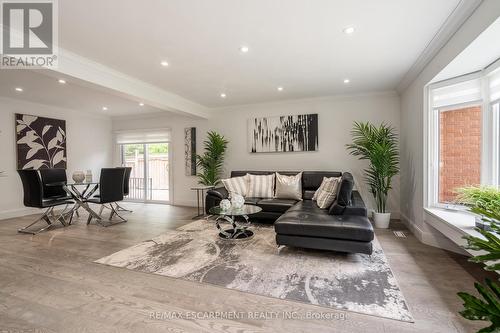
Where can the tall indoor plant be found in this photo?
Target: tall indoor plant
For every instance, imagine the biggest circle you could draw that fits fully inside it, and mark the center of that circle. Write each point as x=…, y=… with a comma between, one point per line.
x=378, y=145
x=484, y=202
x=211, y=162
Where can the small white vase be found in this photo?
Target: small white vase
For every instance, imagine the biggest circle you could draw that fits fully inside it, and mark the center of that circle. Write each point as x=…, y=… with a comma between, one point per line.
x=78, y=176
x=237, y=201
x=225, y=205
x=381, y=220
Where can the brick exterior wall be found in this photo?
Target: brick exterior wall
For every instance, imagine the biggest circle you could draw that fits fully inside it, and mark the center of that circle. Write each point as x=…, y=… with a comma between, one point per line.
x=460, y=150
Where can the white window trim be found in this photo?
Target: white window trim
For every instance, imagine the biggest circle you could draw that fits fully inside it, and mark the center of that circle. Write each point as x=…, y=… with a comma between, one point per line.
x=489, y=147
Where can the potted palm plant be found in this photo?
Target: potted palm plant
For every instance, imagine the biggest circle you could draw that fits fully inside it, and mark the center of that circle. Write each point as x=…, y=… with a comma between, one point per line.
x=379, y=146
x=211, y=162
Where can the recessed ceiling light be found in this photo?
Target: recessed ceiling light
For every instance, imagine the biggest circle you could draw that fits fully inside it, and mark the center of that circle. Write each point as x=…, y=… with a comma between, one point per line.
x=223, y=95
x=141, y=104
x=61, y=81
x=164, y=63
x=347, y=81
x=104, y=108
x=244, y=49
x=348, y=30
x=19, y=89
x=280, y=88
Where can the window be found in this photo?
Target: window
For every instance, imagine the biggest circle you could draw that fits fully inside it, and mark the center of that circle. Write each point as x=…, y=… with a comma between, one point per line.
x=463, y=126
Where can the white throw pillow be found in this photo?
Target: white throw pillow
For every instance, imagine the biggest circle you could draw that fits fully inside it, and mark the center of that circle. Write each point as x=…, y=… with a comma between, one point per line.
x=324, y=182
x=288, y=187
x=328, y=192
x=236, y=185
x=260, y=186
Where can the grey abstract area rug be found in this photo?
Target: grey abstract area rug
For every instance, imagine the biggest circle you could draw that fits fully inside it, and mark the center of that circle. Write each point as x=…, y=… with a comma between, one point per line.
x=194, y=252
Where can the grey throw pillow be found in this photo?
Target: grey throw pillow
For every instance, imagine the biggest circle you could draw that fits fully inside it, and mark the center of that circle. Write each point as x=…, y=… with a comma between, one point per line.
x=288, y=187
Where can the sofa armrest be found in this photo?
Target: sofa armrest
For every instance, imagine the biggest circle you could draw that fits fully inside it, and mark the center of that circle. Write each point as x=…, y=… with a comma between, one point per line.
x=356, y=207
x=219, y=192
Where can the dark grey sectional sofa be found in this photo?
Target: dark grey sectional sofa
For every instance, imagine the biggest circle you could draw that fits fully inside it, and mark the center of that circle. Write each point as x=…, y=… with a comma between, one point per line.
x=343, y=227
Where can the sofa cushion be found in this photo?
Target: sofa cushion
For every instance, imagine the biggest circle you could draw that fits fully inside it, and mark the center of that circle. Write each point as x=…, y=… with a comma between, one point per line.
x=345, y=189
x=276, y=205
x=328, y=193
x=261, y=186
x=252, y=201
x=304, y=219
x=236, y=185
x=288, y=187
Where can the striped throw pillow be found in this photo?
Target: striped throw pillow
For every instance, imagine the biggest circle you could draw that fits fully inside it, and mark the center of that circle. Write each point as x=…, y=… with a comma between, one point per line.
x=260, y=186
x=328, y=193
x=323, y=184
x=236, y=185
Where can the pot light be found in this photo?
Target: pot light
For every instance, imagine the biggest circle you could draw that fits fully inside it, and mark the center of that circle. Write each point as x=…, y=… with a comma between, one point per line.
x=244, y=49
x=19, y=89
x=104, y=108
x=280, y=88
x=346, y=81
x=61, y=81
x=164, y=63
x=141, y=104
x=348, y=30
x=223, y=95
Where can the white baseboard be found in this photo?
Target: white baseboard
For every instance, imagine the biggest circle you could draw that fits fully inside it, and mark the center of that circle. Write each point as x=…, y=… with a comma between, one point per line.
x=9, y=214
x=435, y=239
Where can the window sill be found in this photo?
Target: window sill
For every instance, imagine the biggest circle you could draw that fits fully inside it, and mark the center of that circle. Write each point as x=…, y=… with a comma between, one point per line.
x=453, y=225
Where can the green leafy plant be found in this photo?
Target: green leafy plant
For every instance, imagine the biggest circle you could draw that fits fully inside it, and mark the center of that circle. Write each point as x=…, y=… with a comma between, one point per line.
x=484, y=201
x=378, y=145
x=211, y=162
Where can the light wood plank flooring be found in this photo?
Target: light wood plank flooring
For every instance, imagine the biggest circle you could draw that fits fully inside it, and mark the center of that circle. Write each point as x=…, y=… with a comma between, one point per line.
x=49, y=283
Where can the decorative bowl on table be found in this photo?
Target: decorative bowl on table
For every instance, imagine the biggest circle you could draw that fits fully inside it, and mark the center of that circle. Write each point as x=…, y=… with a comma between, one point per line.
x=225, y=204
x=78, y=176
x=237, y=201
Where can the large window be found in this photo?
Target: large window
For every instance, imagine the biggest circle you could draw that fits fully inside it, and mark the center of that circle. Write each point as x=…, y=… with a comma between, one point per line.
x=462, y=135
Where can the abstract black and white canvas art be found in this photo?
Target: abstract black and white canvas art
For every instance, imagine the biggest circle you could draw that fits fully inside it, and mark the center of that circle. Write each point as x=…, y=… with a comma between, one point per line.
x=283, y=133
x=41, y=142
x=190, y=151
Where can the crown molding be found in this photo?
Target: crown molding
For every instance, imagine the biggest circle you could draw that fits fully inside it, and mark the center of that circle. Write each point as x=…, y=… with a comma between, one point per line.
x=460, y=14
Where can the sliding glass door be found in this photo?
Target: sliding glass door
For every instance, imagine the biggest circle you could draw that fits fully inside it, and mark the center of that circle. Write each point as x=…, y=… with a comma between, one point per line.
x=150, y=176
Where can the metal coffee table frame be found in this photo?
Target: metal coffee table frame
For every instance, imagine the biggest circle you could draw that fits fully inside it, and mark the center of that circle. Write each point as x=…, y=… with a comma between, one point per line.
x=238, y=231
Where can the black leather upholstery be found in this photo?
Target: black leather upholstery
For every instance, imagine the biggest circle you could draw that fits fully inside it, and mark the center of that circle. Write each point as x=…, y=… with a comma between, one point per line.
x=126, y=181
x=51, y=176
x=110, y=186
x=33, y=195
x=344, y=227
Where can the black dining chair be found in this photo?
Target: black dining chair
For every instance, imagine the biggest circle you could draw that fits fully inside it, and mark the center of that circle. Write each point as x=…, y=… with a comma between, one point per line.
x=110, y=192
x=126, y=188
x=54, y=176
x=34, y=196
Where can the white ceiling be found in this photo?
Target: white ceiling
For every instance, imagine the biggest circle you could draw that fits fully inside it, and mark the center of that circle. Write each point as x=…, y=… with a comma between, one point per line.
x=297, y=44
x=75, y=94
x=483, y=51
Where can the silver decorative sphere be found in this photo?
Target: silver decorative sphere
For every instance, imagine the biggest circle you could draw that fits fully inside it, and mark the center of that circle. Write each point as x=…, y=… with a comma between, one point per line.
x=225, y=204
x=237, y=201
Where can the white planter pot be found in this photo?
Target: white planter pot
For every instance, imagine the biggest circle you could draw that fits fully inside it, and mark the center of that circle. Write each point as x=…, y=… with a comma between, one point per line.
x=381, y=220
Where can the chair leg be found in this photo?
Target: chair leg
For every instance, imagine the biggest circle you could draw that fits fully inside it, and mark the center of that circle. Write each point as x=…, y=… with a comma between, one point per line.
x=121, y=209
x=45, y=217
x=113, y=213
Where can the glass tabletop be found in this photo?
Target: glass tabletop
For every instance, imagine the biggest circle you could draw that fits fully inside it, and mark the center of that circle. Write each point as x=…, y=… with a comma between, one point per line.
x=71, y=183
x=245, y=210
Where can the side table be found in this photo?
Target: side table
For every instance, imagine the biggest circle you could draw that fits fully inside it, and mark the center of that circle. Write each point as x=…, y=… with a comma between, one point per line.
x=200, y=191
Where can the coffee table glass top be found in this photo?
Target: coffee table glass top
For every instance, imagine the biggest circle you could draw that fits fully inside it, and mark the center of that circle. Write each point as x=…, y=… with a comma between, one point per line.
x=245, y=210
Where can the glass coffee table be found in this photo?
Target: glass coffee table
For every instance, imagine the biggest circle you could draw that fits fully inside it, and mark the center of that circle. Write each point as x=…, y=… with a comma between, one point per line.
x=237, y=231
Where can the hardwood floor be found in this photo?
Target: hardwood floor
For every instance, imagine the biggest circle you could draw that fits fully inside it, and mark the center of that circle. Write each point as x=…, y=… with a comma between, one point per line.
x=49, y=283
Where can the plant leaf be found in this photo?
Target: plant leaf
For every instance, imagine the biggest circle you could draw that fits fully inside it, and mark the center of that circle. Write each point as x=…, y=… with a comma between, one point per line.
x=30, y=136
x=52, y=143
x=34, y=164
x=33, y=151
x=45, y=129
x=20, y=127
x=27, y=119
x=58, y=157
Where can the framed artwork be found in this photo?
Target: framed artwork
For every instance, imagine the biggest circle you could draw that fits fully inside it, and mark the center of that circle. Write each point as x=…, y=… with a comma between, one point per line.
x=283, y=133
x=41, y=142
x=190, y=151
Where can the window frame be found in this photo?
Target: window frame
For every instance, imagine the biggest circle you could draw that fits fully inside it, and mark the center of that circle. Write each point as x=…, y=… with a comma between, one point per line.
x=490, y=136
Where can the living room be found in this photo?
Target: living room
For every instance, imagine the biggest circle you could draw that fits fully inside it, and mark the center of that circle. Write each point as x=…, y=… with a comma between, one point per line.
x=261, y=166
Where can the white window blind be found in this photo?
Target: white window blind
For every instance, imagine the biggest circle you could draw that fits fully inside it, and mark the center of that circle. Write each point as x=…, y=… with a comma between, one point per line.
x=459, y=93
x=143, y=136
x=494, y=79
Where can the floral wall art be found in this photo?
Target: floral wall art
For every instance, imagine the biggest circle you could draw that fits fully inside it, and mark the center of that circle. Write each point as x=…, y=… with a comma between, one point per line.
x=41, y=142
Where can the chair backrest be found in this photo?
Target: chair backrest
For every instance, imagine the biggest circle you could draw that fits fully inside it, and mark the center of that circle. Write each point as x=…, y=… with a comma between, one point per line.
x=53, y=176
x=32, y=188
x=126, y=180
x=111, y=184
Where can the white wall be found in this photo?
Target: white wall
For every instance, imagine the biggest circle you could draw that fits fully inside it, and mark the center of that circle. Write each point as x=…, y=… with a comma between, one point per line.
x=412, y=124
x=336, y=115
x=89, y=146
